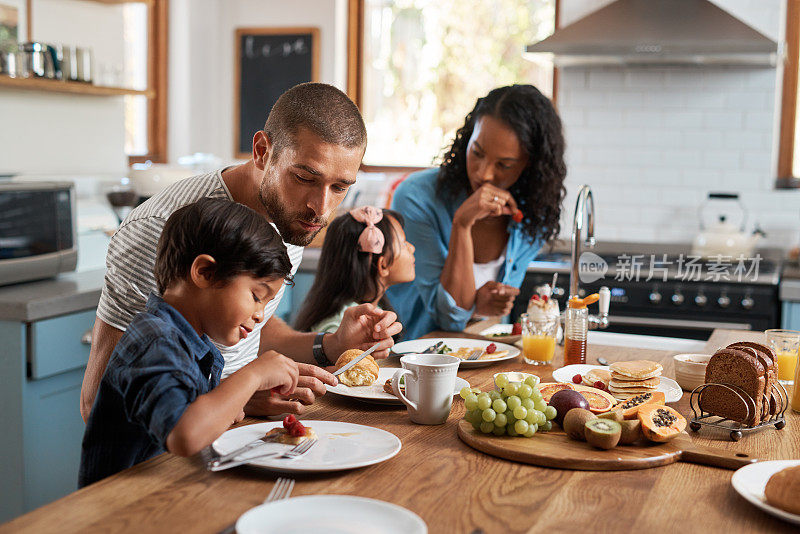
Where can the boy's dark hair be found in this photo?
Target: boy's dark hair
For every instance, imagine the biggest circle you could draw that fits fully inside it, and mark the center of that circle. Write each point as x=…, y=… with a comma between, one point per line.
x=240, y=240
x=321, y=108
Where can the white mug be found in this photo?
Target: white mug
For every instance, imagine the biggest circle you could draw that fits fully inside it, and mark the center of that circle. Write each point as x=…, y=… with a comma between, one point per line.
x=430, y=380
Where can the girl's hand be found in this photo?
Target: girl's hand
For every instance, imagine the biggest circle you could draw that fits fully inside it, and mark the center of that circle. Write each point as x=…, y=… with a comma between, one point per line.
x=487, y=201
x=494, y=299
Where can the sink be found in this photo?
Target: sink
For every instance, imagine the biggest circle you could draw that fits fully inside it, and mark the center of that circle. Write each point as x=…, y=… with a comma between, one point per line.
x=672, y=344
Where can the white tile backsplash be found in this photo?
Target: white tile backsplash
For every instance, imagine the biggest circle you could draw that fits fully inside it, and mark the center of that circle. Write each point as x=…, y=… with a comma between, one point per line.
x=653, y=141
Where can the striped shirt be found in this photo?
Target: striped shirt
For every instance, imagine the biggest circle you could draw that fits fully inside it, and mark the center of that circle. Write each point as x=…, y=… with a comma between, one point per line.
x=131, y=257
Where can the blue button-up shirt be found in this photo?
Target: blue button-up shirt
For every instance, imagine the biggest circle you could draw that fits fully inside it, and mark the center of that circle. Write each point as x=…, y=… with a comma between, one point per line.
x=424, y=305
x=158, y=368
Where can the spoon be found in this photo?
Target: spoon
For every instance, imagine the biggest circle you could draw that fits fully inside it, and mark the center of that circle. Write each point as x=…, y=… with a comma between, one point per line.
x=602, y=361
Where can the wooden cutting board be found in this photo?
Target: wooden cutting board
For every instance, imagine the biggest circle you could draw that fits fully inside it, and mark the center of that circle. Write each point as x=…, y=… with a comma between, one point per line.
x=555, y=449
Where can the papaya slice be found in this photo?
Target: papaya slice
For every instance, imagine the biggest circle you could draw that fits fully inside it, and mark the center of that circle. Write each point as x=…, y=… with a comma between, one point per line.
x=660, y=423
x=631, y=406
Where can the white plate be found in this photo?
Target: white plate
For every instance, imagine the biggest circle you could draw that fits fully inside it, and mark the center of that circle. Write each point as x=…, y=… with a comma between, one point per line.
x=375, y=392
x=501, y=332
x=333, y=514
x=416, y=345
x=671, y=390
x=340, y=446
x=750, y=480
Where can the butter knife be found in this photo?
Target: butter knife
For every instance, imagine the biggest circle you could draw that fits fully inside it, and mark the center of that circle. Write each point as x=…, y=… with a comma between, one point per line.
x=356, y=360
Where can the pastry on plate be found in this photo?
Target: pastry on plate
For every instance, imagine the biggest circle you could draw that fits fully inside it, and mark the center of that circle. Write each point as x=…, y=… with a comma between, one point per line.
x=783, y=488
x=292, y=433
x=596, y=375
x=364, y=373
x=387, y=386
x=636, y=369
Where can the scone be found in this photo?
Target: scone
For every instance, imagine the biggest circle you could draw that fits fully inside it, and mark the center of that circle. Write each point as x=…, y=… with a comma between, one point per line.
x=281, y=435
x=364, y=373
x=783, y=488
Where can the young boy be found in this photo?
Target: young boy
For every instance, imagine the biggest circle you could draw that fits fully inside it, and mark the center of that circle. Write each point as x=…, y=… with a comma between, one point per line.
x=218, y=265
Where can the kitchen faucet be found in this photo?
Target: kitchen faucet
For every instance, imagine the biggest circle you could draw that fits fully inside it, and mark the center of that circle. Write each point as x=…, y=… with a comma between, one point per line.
x=585, y=205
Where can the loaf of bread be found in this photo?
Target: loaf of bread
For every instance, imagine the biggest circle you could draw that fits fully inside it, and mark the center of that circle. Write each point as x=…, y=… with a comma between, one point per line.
x=364, y=373
x=767, y=358
x=742, y=369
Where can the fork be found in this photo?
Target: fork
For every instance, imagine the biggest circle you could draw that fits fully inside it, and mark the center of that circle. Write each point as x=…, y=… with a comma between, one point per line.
x=296, y=452
x=281, y=490
x=475, y=354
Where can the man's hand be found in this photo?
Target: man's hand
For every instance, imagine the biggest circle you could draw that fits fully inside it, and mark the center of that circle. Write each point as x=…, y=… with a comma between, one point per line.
x=310, y=385
x=361, y=327
x=494, y=299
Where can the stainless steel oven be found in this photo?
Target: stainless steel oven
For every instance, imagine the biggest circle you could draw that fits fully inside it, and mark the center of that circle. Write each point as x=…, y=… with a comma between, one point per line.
x=37, y=230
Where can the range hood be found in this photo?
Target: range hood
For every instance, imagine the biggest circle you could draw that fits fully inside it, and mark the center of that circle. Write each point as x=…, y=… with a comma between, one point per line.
x=658, y=32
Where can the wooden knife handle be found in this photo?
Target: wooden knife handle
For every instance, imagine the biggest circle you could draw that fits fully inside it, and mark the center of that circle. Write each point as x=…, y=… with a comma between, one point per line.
x=701, y=454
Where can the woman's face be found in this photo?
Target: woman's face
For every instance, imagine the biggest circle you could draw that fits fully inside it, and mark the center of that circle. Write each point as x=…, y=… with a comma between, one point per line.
x=402, y=268
x=494, y=154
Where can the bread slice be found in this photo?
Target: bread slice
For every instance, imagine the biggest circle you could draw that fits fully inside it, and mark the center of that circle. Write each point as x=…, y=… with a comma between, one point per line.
x=767, y=358
x=742, y=369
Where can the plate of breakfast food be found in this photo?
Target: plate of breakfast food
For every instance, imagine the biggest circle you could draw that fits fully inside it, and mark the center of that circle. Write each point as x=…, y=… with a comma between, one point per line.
x=339, y=446
x=331, y=513
x=623, y=380
x=504, y=333
x=772, y=486
x=379, y=390
x=461, y=348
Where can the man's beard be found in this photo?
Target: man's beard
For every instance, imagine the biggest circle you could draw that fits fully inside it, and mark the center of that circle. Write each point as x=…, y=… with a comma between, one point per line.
x=283, y=219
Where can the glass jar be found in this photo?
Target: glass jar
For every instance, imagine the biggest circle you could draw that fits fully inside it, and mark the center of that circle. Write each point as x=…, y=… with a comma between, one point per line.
x=576, y=328
x=538, y=339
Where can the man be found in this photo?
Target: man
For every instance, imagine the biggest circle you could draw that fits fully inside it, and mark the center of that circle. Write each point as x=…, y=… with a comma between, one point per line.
x=301, y=167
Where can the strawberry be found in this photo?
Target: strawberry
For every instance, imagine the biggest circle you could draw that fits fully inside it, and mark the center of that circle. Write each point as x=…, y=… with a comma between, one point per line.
x=516, y=329
x=545, y=298
x=297, y=429
x=289, y=420
x=577, y=378
x=517, y=216
x=599, y=385
x=535, y=297
x=491, y=348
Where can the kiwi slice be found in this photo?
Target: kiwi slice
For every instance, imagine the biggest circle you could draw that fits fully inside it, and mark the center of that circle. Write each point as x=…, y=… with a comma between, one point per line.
x=574, y=422
x=614, y=415
x=602, y=433
x=631, y=431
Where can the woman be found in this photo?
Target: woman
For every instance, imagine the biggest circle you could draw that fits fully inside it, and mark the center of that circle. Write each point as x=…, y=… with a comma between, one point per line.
x=471, y=254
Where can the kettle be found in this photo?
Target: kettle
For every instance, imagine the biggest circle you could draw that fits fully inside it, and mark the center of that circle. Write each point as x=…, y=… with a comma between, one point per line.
x=724, y=238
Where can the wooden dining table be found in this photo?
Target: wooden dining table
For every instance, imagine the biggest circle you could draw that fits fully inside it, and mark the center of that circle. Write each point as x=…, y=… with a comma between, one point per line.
x=453, y=487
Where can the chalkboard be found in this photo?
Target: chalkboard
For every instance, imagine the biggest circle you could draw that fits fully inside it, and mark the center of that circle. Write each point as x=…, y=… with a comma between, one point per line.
x=268, y=62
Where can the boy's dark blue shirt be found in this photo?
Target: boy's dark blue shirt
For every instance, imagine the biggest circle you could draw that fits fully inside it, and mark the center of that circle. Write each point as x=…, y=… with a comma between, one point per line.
x=157, y=369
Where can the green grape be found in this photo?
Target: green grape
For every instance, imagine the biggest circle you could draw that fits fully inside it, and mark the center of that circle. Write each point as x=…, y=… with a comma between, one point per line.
x=499, y=430
x=465, y=392
x=500, y=420
x=527, y=403
x=484, y=401
x=513, y=402
x=520, y=413
x=511, y=389
x=476, y=425
x=476, y=416
x=547, y=427
x=499, y=405
x=486, y=427
x=476, y=391
x=494, y=395
x=531, y=431
x=540, y=418
x=524, y=391
x=550, y=413
x=521, y=426
x=488, y=415
x=536, y=395
x=511, y=431
x=531, y=417
x=471, y=401
x=540, y=405
x=532, y=381
x=501, y=380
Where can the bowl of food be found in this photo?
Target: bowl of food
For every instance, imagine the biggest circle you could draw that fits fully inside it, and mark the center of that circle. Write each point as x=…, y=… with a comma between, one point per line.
x=690, y=370
x=513, y=377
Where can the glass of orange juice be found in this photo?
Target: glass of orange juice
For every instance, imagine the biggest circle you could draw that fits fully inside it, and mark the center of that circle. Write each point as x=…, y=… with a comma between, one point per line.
x=538, y=339
x=796, y=390
x=785, y=343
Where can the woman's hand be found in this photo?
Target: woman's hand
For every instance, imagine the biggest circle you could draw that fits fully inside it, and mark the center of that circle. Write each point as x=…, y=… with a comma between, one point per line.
x=494, y=299
x=487, y=201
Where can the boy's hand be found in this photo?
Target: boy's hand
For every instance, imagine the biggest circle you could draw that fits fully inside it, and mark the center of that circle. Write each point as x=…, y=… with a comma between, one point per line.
x=360, y=328
x=275, y=371
x=310, y=385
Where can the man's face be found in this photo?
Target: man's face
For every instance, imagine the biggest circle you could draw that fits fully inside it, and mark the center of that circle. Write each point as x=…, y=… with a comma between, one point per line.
x=303, y=186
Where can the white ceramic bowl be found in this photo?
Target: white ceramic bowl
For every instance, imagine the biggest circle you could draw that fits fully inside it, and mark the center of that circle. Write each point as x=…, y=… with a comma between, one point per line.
x=689, y=382
x=691, y=364
x=514, y=377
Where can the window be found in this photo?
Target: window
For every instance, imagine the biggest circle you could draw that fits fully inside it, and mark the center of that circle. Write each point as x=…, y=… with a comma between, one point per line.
x=789, y=148
x=420, y=65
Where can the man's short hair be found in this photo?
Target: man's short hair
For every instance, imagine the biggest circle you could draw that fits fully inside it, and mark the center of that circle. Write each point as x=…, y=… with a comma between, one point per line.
x=240, y=240
x=322, y=109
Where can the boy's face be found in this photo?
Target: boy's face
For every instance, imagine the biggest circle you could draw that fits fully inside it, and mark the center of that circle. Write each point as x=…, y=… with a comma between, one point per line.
x=235, y=307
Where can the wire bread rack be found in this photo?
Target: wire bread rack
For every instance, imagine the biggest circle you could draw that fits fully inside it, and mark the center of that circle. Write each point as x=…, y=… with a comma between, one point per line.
x=737, y=428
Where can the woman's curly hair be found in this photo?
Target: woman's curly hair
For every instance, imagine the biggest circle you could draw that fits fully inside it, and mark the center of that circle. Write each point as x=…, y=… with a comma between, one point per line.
x=540, y=190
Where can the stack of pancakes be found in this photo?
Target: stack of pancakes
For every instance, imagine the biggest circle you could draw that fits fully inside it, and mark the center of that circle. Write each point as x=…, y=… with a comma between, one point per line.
x=629, y=379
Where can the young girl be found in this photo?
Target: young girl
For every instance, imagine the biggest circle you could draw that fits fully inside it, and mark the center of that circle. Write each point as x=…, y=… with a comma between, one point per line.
x=365, y=252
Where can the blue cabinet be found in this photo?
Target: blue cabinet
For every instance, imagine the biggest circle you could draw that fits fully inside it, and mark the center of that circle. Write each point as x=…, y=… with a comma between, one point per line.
x=41, y=370
x=790, y=316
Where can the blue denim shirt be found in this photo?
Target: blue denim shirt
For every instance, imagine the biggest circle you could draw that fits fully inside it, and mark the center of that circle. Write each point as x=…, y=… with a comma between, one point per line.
x=158, y=368
x=424, y=304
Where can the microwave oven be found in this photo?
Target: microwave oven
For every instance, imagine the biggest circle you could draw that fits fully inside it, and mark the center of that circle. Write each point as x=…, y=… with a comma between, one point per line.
x=37, y=230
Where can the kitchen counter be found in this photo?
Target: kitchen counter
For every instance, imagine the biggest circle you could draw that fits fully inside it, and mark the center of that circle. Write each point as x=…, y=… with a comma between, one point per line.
x=67, y=293
x=453, y=487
